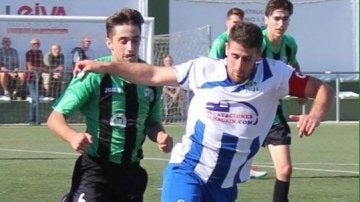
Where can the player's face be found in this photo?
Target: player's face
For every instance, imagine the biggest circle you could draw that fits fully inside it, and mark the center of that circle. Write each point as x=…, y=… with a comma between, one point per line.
x=124, y=43
x=231, y=21
x=168, y=62
x=277, y=22
x=240, y=61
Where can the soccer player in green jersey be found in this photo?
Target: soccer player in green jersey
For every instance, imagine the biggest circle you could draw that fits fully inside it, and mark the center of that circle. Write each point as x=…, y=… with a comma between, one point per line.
x=119, y=116
x=234, y=16
x=280, y=46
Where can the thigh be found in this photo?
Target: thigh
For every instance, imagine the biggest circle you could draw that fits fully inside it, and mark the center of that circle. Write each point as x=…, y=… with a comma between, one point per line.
x=180, y=185
x=130, y=185
x=46, y=78
x=88, y=182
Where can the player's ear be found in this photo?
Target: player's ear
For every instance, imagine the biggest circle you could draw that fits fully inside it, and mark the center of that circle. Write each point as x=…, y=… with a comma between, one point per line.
x=226, y=48
x=266, y=20
x=109, y=44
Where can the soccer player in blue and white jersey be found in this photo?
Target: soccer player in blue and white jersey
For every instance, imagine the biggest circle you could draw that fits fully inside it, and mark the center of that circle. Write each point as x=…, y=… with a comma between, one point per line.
x=233, y=107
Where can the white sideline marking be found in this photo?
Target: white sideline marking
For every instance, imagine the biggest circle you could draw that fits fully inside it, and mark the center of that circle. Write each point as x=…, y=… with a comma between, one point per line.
x=161, y=159
x=319, y=170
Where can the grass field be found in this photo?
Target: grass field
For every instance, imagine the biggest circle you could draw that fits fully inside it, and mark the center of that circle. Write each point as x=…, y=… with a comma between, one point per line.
x=36, y=166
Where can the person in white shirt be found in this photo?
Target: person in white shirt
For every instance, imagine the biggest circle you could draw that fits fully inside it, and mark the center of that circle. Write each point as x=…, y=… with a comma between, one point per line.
x=234, y=105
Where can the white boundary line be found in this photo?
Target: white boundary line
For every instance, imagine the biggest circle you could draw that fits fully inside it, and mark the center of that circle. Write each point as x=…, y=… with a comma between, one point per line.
x=162, y=159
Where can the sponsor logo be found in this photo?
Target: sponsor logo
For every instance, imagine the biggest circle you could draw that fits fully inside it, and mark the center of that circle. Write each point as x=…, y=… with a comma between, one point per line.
x=113, y=90
x=118, y=120
x=37, y=27
x=38, y=9
x=232, y=112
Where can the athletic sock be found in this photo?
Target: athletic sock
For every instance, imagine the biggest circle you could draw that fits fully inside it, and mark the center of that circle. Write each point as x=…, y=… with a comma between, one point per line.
x=281, y=191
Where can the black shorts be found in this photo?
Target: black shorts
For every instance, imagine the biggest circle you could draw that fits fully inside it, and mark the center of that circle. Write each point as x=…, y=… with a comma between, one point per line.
x=106, y=182
x=279, y=134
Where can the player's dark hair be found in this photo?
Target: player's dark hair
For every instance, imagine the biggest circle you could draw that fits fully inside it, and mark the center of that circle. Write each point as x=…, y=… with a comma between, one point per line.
x=126, y=16
x=247, y=34
x=278, y=4
x=235, y=11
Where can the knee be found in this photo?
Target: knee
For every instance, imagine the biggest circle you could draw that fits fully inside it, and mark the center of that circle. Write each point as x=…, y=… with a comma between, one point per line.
x=284, y=172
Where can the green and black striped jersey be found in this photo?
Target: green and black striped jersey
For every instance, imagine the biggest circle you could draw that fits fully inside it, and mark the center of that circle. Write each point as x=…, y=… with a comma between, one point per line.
x=116, y=113
x=286, y=53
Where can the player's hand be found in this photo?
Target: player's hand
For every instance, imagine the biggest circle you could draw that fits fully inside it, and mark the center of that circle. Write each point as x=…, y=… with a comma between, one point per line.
x=89, y=66
x=165, y=142
x=80, y=142
x=306, y=124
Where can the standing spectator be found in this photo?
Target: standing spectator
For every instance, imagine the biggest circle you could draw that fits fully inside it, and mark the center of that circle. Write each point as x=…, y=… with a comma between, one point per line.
x=171, y=96
x=230, y=115
x=9, y=64
x=81, y=53
x=234, y=16
x=280, y=46
x=85, y=45
x=53, y=79
x=119, y=115
x=34, y=67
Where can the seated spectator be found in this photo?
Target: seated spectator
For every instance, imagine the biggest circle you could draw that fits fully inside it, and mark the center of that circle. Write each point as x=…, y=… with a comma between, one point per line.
x=9, y=74
x=52, y=80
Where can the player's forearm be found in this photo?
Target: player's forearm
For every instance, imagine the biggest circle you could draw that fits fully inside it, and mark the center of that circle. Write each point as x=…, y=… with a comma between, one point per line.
x=58, y=126
x=322, y=102
x=145, y=74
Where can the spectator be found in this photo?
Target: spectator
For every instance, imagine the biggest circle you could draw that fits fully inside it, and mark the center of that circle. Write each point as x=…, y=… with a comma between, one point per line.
x=85, y=45
x=231, y=113
x=81, y=53
x=34, y=67
x=53, y=79
x=119, y=115
x=9, y=64
x=171, y=96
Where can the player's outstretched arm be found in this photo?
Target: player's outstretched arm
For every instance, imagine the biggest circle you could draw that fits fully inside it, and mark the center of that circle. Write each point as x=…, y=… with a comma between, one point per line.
x=324, y=96
x=139, y=73
x=57, y=124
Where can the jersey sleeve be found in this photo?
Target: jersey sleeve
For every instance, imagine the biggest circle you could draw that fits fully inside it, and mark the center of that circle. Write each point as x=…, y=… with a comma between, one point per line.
x=79, y=91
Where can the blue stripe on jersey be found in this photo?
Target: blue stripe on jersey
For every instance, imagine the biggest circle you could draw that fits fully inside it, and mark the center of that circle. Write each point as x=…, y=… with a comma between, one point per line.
x=254, y=147
x=267, y=71
x=214, y=84
x=185, y=78
x=226, y=153
x=193, y=156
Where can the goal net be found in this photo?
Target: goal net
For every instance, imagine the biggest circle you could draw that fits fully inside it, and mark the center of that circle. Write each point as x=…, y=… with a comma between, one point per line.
x=181, y=46
x=67, y=31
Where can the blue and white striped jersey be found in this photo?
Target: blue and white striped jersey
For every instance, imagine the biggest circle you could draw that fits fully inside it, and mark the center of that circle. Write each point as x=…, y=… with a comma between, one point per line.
x=227, y=122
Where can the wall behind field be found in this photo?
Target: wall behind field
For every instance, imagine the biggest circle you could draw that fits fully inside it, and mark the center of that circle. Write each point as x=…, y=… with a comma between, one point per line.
x=326, y=30
x=67, y=34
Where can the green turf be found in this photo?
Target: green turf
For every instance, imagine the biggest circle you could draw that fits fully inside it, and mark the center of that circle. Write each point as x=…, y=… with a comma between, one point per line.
x=326, y=166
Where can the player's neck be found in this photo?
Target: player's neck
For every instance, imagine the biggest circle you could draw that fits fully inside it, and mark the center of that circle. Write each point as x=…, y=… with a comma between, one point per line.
x=275, y=40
